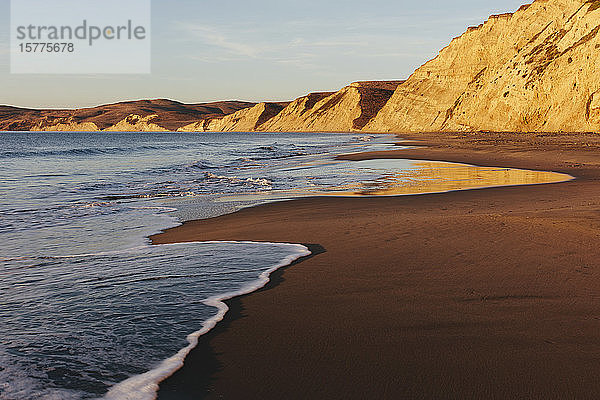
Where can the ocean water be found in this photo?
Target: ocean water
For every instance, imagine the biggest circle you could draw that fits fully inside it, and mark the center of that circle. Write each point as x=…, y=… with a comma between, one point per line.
x=89, y=309
x=87, y=306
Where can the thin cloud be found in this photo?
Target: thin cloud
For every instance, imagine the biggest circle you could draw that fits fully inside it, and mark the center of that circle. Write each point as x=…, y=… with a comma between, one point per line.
x=213, y=37
x=276, y=51
x=340, y=43
x=288, y=49
x=211, y=59
x=300, y=60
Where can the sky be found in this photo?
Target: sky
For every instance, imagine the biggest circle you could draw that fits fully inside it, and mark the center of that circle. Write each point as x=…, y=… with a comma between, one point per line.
x=261, y=50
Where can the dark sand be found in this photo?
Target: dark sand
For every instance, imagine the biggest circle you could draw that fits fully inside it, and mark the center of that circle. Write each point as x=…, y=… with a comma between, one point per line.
x=480, y=294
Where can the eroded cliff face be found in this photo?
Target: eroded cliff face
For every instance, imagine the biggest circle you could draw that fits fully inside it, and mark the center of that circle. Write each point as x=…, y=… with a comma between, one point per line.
x=347, y=110
x=137, y=123
x=293, y=114
x=247, y=120
x=534, y=70
x=66, y=124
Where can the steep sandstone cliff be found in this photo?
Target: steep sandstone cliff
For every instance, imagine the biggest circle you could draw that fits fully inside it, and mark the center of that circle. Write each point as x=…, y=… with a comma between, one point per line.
x=347, y=110
x=246, y=120
x=292, y=115
x=534, y=70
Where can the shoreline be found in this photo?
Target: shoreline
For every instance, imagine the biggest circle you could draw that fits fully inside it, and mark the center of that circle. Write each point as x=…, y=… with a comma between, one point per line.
x=200, y=354
x=146, y=385
x=417, y=354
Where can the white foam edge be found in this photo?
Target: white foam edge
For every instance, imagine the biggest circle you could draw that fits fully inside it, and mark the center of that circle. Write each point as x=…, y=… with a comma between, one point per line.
x=145, y=386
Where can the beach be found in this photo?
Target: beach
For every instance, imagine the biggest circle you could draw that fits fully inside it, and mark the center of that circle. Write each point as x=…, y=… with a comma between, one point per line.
x=490, y=293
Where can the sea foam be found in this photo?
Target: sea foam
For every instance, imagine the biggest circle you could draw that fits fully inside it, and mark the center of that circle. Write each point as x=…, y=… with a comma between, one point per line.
x=145, y=386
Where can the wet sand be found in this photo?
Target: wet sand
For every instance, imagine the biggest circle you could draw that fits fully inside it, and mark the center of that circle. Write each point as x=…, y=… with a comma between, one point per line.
x=481, y=294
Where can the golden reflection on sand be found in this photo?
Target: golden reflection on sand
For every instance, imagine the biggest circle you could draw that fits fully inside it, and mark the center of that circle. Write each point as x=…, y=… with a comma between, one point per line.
x=414, y=177
x=434, y=177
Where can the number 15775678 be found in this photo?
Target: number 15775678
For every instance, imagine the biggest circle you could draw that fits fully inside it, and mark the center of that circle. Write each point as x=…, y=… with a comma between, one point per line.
x=42, y=47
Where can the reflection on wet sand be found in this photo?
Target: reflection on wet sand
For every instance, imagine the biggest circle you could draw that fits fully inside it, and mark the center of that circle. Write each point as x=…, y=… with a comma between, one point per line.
x=404, y=177
x=432, y=177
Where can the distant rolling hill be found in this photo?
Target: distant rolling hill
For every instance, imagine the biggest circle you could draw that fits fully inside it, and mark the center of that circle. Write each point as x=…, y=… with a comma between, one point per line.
x=167, y=114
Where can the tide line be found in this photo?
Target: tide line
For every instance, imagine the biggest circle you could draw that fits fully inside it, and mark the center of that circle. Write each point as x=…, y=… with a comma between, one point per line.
x=145, y=386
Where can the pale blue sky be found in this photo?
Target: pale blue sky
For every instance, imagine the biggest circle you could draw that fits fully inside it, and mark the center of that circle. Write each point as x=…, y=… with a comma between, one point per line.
x=261, y=50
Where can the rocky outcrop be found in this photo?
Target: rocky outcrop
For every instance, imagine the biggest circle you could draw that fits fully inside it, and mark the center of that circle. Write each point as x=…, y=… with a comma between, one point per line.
x=48, y=124
x=534, y=70
x=592, y=110
x=137, y=123
x=200, y=126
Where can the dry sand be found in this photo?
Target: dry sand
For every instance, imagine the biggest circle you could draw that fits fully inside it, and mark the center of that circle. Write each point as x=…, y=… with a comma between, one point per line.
x=480, y=294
